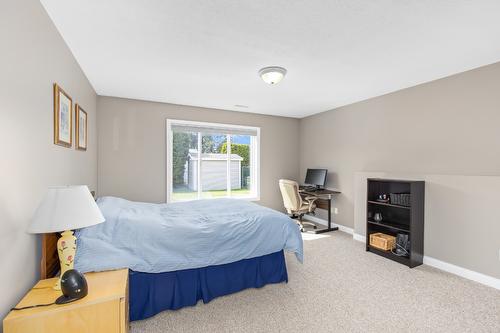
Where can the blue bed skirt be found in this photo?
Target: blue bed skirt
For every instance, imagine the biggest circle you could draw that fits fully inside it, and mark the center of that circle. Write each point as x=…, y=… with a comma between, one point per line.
x=151, y=293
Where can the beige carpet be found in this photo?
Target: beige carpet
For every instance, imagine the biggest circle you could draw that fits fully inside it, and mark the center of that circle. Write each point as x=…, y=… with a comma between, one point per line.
x=342, y=288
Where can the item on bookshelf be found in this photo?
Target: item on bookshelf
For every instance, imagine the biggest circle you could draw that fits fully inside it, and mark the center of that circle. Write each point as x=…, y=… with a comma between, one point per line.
x=402, y=245
x=370, y=215
x=382, y=241
x=383, y=198
x=377, y=217
x=402, y=199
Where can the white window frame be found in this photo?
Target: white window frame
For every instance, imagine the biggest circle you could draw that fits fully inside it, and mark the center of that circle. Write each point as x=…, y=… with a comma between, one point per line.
x=254, y=157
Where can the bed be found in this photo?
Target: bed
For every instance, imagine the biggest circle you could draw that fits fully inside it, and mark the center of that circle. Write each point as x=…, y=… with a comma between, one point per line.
x=180, y=253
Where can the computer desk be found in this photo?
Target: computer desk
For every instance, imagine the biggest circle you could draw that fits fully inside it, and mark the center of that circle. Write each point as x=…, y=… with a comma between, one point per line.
x=324, y=201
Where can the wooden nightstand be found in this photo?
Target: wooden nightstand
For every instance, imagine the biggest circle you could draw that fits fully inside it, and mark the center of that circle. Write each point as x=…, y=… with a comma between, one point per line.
x=104, y=309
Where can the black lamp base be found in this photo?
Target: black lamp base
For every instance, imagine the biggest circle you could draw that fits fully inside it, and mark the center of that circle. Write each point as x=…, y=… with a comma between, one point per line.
x=65, y=299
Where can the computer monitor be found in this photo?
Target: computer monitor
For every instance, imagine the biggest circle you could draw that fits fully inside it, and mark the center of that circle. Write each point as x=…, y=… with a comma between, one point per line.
x=316, y=177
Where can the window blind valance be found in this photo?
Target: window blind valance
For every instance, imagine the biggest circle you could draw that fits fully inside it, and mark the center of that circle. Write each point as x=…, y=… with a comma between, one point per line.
x=215, y=129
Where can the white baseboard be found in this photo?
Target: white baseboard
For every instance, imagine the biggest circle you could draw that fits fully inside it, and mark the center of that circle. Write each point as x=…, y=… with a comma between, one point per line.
x=450, y=268
x=325, y=222
x=359, y=238
x=463, y=272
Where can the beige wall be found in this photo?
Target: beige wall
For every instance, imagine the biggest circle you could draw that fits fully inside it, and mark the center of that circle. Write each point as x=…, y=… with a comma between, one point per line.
x=132, y=147
x=33, y=56
x=446, y=127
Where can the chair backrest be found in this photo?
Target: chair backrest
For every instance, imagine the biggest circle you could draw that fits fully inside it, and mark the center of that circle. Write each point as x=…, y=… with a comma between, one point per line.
x=290, y=193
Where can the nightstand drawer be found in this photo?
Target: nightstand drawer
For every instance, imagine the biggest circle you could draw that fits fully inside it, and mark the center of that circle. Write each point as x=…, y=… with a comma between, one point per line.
x=100, y=317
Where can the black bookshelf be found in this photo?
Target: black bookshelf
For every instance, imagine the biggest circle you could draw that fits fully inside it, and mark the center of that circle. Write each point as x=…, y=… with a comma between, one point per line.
x=397, y=218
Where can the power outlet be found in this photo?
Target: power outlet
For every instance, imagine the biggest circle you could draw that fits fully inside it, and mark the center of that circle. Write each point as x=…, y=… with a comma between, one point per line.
x=335, y=210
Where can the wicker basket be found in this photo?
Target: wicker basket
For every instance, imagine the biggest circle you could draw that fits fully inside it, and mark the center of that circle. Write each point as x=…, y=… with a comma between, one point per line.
x=402, y=199
x=382, y=241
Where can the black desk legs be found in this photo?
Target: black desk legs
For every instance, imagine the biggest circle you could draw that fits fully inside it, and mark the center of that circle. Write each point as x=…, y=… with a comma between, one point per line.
x=329, y=228
x=329, y=213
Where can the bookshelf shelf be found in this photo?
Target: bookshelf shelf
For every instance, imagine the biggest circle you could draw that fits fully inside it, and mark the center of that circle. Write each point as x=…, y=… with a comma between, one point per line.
x=392, y=226
x=387, y=204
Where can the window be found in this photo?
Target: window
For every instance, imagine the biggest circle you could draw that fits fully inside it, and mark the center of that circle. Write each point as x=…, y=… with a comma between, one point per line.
x=206, y=160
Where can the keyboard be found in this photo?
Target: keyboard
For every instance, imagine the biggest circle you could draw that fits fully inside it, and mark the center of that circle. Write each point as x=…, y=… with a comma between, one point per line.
x=307, y=188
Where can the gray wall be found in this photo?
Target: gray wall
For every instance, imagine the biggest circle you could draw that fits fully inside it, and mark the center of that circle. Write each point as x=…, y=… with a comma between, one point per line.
x=132, y=147
x=33, y=56
x=447, y=127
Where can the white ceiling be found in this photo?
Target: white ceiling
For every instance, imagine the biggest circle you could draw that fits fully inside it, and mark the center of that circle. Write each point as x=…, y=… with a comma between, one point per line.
x=207, y=53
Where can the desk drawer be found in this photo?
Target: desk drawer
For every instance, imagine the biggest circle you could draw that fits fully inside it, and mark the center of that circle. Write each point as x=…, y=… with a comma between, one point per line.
x=322, y=204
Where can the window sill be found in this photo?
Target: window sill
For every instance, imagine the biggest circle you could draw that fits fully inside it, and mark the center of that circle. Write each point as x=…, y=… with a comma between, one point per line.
x=237, y=198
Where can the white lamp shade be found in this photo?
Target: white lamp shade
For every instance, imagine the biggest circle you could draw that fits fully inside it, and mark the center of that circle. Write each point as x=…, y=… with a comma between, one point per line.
x=65, y=208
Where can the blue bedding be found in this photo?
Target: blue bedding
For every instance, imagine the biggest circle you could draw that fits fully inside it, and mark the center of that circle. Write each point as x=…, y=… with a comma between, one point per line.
x=155, y=238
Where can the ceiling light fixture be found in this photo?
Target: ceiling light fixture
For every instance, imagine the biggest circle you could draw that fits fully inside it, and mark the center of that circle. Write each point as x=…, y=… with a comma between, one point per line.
x=272, y=74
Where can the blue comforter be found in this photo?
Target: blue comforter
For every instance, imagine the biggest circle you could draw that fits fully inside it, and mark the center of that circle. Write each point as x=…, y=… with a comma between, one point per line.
x=156, y=238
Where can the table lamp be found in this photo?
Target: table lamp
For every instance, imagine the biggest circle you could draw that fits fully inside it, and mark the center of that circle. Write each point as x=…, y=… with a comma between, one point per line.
x=63, y=209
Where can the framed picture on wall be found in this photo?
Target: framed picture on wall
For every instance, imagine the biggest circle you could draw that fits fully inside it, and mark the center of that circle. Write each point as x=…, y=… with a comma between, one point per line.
x=63, y=111
x=81, y=128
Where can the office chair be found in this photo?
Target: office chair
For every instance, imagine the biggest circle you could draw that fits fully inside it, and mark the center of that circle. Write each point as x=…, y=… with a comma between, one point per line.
x=295, y=205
